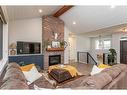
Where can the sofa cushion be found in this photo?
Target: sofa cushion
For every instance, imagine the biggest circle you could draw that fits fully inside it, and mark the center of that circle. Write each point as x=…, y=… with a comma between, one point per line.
x=96, y=70
x=113, y=72
x=118, y=83
x=14, y=84
x=97, y=81
x=73, y=83
x=14, y=73
x=42, y=82
x=13, y=65
x=121, y=66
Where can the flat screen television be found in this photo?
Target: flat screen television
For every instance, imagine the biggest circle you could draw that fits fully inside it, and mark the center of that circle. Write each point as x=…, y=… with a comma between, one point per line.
x=28, y=47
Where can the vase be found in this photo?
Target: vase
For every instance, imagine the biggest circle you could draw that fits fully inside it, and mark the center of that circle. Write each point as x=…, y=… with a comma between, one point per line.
x=13, y=52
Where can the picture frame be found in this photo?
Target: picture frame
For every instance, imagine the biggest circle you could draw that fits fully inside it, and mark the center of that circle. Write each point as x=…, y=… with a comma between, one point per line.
x=55, y=44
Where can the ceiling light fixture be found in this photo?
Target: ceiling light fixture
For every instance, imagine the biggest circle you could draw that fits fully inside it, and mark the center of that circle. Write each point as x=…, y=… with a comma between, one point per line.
x=124, y=30
x=74, y=22
x=40, y=11
x=112, y=6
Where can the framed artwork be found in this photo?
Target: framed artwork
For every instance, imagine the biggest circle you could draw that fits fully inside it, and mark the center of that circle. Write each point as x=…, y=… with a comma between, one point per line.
x=55, y=44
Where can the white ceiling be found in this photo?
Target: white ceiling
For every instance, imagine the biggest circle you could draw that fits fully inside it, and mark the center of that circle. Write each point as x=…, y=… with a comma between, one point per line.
x=24, y=12
x=92, y=18
x=88, y=18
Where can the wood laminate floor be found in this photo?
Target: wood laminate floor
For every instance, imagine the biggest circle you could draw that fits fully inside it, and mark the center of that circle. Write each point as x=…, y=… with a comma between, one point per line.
x=83, y=68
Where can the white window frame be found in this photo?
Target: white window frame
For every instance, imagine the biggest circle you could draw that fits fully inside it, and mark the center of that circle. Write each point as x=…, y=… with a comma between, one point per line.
x=103, y=47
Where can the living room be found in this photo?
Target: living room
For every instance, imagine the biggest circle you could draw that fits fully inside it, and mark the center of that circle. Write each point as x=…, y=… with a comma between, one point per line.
x=44, y=37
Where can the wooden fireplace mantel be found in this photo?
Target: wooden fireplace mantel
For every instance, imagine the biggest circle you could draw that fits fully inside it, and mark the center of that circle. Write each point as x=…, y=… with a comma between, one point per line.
x=55, y=49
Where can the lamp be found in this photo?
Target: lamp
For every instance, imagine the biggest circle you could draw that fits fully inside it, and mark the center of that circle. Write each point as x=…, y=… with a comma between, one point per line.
x=12, y=47
x=100, y=42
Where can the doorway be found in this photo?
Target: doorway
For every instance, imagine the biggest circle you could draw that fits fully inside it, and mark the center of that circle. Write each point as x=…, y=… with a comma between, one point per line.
x=123, y=51
x=72, y=49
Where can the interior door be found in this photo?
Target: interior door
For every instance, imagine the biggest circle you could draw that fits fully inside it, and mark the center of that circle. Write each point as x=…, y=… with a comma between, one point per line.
x=123, y=51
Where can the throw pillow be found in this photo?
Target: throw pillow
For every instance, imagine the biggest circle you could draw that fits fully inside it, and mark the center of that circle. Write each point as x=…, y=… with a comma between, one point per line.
x=27, y=67
x=32, y=75
x=96, y=70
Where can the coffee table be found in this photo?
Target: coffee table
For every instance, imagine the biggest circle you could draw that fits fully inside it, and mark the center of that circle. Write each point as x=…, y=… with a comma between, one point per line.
x=60, y=75
x=63, y=72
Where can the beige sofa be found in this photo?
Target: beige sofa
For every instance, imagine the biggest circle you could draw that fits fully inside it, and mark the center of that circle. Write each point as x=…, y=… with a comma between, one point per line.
x=111, y=78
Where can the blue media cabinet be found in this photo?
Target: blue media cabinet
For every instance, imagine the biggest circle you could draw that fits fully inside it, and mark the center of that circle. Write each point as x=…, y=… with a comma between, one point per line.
x=37, y=59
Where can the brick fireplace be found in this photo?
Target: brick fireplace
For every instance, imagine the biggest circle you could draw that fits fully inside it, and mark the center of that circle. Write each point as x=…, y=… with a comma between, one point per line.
x=52, y=24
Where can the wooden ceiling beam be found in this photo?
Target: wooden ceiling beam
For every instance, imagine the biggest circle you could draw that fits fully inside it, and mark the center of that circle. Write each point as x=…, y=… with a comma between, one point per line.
x=62, y=10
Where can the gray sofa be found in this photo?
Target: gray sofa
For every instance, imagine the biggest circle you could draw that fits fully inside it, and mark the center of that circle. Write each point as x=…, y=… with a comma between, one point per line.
x=13, y=78
x=110, y=78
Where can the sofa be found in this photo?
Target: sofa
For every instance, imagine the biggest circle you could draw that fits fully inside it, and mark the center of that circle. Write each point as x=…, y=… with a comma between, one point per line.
x=109, y=78
x=13, y=78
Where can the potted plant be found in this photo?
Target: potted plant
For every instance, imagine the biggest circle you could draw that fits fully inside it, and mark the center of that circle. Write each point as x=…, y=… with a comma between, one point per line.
x=112, y=60
x=63, y=44
x=46, y=44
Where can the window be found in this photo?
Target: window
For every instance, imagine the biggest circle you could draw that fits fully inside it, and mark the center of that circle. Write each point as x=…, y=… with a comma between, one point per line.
x=1, y=39
x=104, y=44
x=107, y=44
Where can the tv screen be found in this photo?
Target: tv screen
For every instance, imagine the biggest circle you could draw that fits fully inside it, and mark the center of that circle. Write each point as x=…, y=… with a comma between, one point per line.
x=28, y=47
x=1, y=39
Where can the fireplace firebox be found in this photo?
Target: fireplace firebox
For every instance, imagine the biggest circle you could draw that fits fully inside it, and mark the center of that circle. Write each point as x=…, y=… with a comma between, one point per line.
x=54, y=59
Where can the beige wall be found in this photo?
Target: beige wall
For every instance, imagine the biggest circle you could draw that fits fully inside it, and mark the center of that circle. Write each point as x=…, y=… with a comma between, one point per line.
x=25, y=30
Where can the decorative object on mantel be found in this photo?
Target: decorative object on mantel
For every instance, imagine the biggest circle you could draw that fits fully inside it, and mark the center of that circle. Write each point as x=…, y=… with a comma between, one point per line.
x=13, y=49
x=47, y=44
x=112, y=57
x=63, y=44
x=56, y=35
x=55, y=45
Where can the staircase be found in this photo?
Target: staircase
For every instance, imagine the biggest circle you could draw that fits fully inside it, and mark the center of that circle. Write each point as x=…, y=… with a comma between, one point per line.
x=85, y=57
